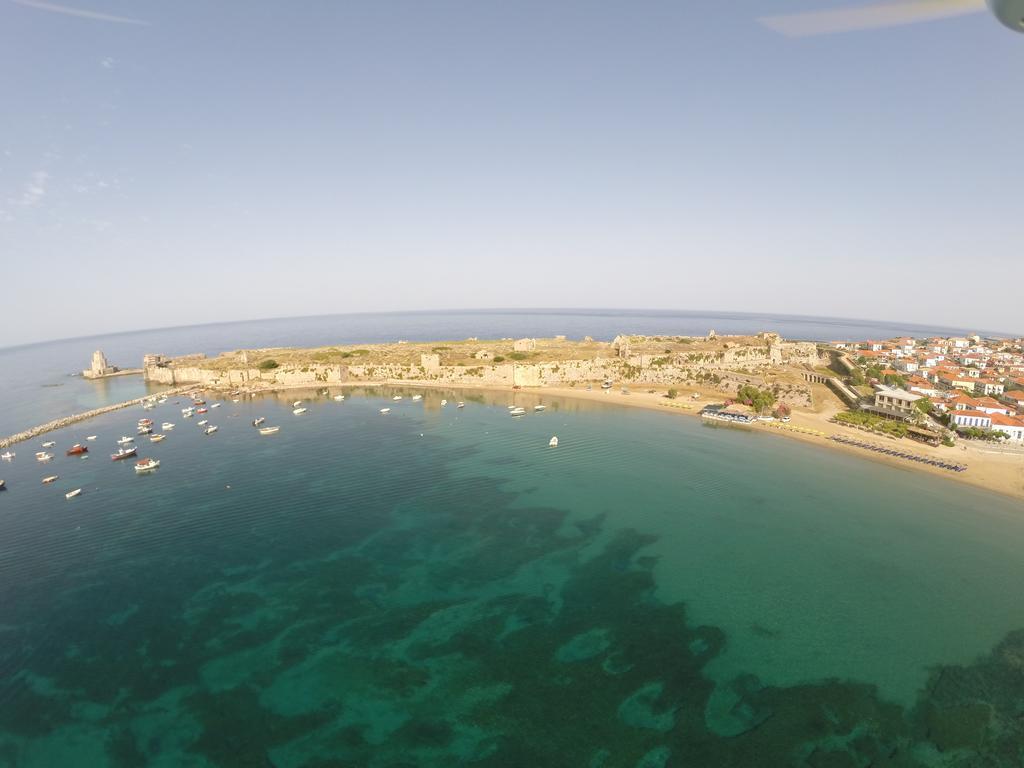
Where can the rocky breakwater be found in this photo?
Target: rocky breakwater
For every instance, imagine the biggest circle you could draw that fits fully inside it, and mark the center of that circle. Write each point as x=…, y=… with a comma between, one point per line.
x=74, y=418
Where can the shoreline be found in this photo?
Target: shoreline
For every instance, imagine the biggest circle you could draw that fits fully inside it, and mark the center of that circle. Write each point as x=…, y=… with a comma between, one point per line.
x=994, y=471
x=1000, y=472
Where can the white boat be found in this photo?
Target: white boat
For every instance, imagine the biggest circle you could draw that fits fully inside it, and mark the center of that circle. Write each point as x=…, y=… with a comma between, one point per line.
x=444, y=403
x=145, y=430
x=210, y=429
x=517, y=412
x=72, y=494
x=257, y=422
x=215, y=405
x=553, y=442
x=538, y=408
x=510, y=407
x=296, y=404
x=417, y=397
x=157, y=438
x=125, y=440
x=339, y=398
x=397, y=397
x=49, y=479
x=385, y=410
x=146, y=465
x=162, y=400
x=187, y=411
x=43, y=456
x=202, y=423
x=91, y=437
x=49, y=444
x=167, y=426
x=148, y=406
x=8, y=455
x=297, y=411
x=461, y=405
x=269, y=430
x=234, y=400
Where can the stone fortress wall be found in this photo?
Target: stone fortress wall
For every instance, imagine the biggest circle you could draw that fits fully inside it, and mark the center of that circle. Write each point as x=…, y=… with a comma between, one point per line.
x=728, y=368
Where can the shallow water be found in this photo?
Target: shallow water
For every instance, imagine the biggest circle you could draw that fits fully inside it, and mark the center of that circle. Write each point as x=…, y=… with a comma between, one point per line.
x=437, y=586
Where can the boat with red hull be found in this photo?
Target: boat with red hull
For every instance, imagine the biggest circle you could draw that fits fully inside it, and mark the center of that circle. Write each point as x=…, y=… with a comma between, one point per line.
x=76, y=450
x=124, y=453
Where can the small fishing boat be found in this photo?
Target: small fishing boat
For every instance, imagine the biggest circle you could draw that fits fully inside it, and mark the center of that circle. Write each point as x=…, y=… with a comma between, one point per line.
x=510, y=407
x=91, y=437
x=203, y=423
x=148, y=406
x=146, y=465
x=125, y=440
x=3, y=485
x=460, y=405
x=145, y=430
x=162, y=400
x=257, y=422
x=202, y=410
x=49, y=479
x=538, y=408
x=385, y=410
x=210, y=430
x=297, y=411
x=269, y=430
x=444, y=403
x=215, y=405
x=76, y=450
x=339, y=398
x=198, y=402
x=72, y=494
x=417, y=397
x=517, y=412
x=43, y=456
x=8, y=455
x=49, y=444
x=397, y=397
x=167, y=426
x=553, y=442
x=296, y=404
x=145, y=422
x=157, y=438
x=234, y=400
x=124, y=453
x=186, y=411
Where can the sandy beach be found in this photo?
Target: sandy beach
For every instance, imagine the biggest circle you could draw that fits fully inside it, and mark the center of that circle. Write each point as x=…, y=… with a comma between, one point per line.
x=997, y=470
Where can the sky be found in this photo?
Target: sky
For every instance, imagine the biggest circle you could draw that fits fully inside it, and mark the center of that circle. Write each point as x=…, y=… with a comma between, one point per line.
x=227, y=161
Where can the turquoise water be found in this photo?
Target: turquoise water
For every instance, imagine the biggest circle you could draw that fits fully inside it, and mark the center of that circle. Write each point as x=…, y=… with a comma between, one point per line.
x=439, y=587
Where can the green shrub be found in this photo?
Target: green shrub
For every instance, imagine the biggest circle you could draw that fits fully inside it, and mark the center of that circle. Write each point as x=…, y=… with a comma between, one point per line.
x=518, y=355
x=268, y=364
x=499, y=359
x=672, y=394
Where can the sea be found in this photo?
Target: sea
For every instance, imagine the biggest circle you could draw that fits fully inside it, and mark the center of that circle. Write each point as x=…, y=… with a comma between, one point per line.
x=437, y=586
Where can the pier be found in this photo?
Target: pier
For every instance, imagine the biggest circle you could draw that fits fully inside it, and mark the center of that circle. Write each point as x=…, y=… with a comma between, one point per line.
x=74, y=418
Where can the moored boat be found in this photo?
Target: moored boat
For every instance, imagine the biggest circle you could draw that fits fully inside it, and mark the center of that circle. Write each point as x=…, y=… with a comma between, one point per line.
x=91, y=437
x=298, y=411
x=124, y=453
x=146, y=465
x=72, y=494
x=269, y=430
x=444, y=403
x=257, y=422
x=167, y=426
x=417, y=397
x=43, y=456
x=210, y=429
x=553, y=442
x=215, y=405
x=50, y=444
x=8, y=455
x=76, y=450
x=296, y=404
x=49, y=479
x=397, y=397
x=339, y=398
x=157, y=438
x=145, y=430
x=538, y=408
x=202, y=410
x=517, y=412
x=203, y=423
x=125, y=440
x=461, y=405
x=3, y=485
x=385, y=410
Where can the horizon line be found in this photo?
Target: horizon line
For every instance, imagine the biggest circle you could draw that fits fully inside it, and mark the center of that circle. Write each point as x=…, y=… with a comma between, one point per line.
x=524, y=310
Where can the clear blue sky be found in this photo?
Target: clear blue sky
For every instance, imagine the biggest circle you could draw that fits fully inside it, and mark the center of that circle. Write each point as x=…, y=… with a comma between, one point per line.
x=255, y=159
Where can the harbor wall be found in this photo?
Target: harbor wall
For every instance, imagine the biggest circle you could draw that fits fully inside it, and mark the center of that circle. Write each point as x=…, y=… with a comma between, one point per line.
x=74, y=418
